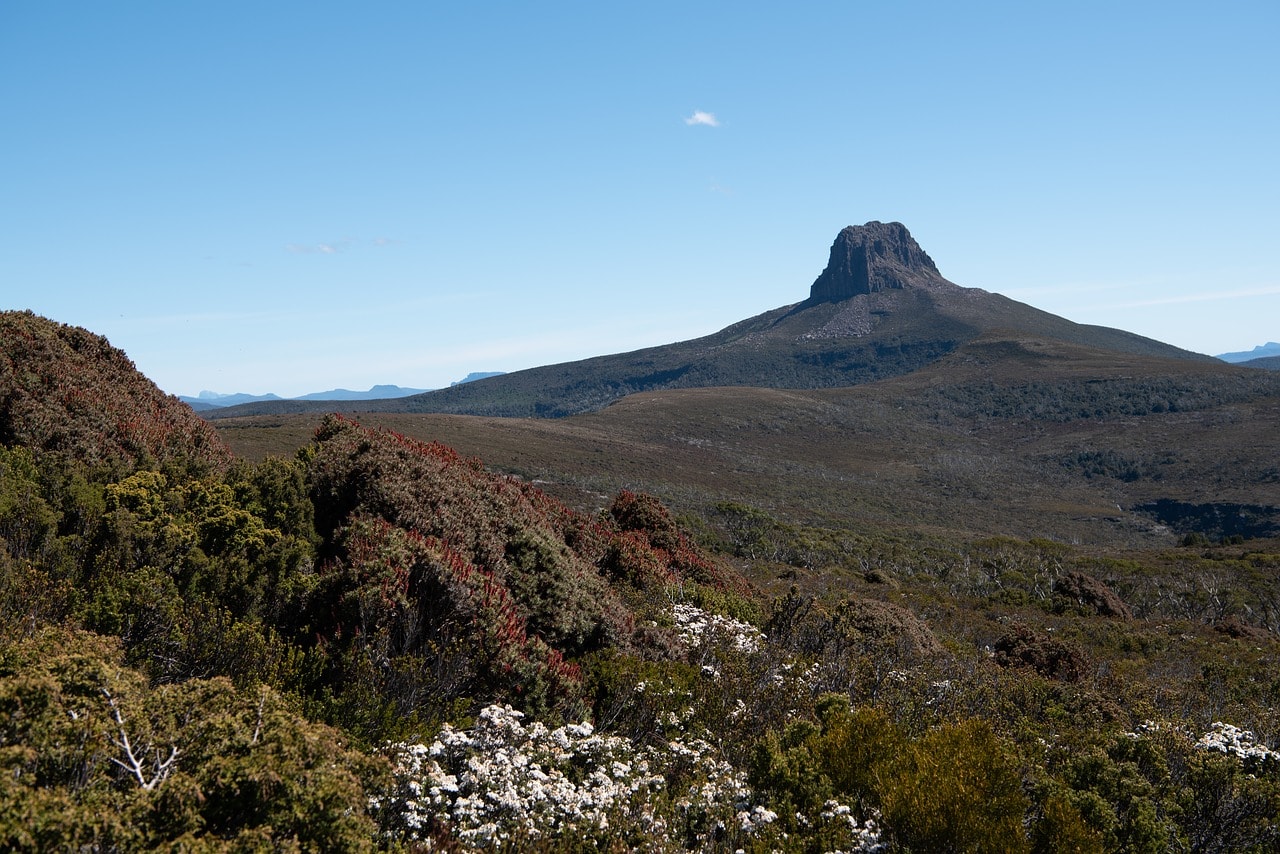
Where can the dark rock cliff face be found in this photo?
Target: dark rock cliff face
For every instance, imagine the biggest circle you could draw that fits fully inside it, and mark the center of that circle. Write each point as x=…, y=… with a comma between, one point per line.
x=874, y=257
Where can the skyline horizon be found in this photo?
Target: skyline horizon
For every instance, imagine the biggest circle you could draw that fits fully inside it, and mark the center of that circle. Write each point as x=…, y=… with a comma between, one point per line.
x=294, y=394
x=314, y=195
x=1245, y=349
x=369, y=386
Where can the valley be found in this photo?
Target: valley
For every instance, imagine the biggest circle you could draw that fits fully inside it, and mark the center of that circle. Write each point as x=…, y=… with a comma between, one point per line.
x=940, y=451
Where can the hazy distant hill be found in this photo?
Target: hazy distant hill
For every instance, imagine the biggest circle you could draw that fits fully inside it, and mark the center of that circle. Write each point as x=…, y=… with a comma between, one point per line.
x=477, y=375
x=377, y=392
x=1269, y=363
x=1262, y=351
x=208, y=400
x=213, y=400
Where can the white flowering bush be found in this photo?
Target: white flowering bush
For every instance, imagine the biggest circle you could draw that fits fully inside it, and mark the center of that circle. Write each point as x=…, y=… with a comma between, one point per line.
x=863, y=837
x=1221, y=737
x=696, y=627
x=502, y=780
x=505, y=781
x=1237, y=742
x=508, y=781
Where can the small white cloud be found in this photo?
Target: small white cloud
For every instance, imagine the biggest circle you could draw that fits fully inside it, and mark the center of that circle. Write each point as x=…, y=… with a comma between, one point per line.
x=332, y=247
x=701, y=118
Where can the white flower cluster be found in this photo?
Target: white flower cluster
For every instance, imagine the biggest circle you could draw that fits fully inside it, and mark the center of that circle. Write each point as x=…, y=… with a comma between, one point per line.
x=695, y=625
x=502, y=777
x=1150, y=727
x=756, y=818
x=864, y=838
x=837, y=819
x=1240, y=742
x=504, y=782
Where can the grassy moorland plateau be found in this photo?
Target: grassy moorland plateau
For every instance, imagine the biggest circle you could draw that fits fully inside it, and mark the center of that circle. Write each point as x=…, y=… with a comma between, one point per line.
x=903, y=567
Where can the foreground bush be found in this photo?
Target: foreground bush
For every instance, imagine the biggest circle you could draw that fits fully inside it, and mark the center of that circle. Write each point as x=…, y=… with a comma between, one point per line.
x=954, y=789
x=507, y=783
x=93, y=758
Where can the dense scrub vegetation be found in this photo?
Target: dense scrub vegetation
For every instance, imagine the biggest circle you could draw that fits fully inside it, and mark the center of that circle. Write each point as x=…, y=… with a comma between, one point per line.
x=378, y=644
x=1092, y=398
x=66, y=391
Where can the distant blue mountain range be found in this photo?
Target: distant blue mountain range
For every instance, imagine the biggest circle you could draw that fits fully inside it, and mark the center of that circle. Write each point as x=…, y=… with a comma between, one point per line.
x=1262, y=351
x=214, y=400
x=378, y=392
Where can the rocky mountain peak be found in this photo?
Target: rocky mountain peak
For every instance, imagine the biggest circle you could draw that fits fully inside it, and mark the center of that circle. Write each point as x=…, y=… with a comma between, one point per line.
x=874, y=257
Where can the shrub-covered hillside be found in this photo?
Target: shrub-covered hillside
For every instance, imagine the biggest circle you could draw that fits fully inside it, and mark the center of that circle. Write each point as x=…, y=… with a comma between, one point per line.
x=378, y=644
x=68, y=392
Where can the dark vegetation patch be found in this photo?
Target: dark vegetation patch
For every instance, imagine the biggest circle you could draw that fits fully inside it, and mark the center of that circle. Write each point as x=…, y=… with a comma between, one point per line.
x=1022, y=646
x=1092, y=595
x=1095, y=399
x=1214, y=521
x=1118, y=465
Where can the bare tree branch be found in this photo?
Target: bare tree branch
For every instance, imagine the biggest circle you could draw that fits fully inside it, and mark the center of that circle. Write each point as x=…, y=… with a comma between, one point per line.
x=148, y=778
x=257, y=728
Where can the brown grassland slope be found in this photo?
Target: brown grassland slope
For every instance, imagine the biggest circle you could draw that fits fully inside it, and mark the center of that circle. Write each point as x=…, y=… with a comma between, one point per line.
x=1031, y=438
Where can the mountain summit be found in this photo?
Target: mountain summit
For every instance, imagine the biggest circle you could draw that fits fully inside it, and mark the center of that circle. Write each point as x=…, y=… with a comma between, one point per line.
x=874, y=257
x=879, y=309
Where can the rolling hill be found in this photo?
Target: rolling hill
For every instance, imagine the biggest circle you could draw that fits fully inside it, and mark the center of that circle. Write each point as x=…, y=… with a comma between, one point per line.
x=879, y=309
x=1266, y=363
x=890, y=399
x=1024, y=437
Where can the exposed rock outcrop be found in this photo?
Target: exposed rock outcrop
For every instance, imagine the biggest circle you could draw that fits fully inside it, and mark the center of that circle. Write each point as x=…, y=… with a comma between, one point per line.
x=871, y=258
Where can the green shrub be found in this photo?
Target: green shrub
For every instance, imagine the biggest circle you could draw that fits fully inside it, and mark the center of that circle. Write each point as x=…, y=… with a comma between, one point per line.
x=953, y=790
x=94, y=758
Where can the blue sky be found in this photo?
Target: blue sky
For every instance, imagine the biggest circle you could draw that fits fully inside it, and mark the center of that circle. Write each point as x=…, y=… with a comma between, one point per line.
x=292, y=197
